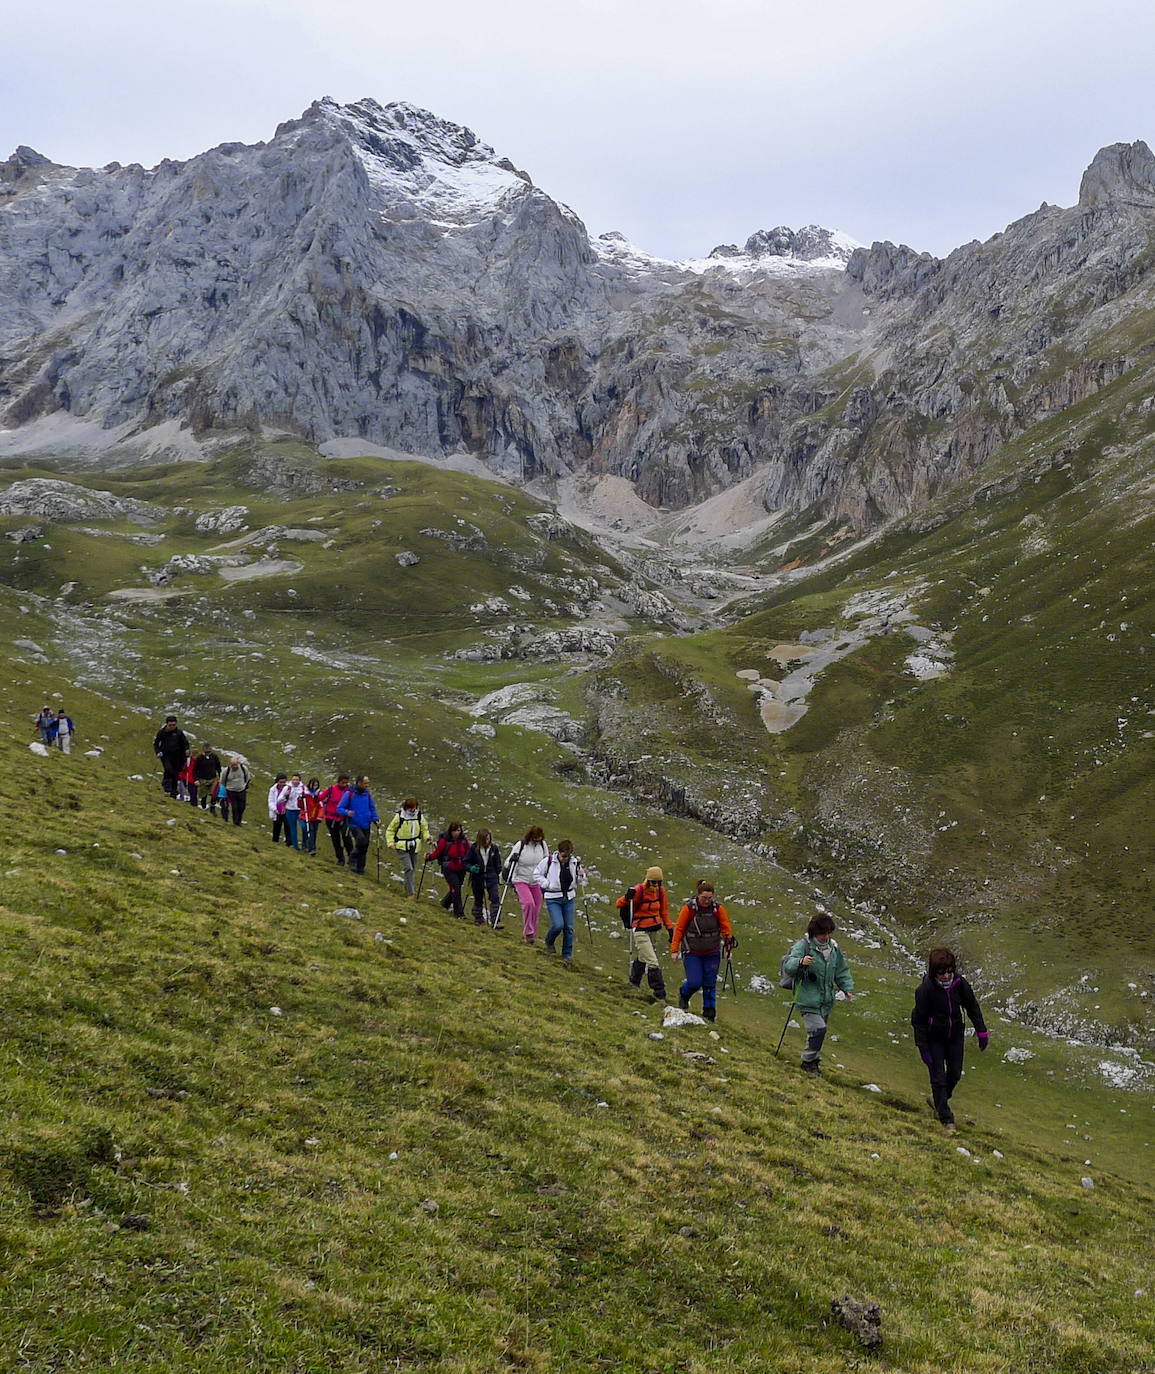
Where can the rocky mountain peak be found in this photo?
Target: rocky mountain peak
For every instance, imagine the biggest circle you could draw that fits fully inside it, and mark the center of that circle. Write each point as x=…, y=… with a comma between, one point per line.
x=811, y=243
x=29, y=157
x=1121, y=173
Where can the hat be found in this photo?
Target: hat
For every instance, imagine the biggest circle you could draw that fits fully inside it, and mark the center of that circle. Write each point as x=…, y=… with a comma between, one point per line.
x=653, y=875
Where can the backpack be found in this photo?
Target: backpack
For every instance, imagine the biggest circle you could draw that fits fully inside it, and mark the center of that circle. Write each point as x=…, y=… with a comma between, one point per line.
x=790, y=980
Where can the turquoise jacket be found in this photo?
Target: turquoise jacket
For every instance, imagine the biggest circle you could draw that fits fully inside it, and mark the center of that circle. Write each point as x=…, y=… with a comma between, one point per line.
x=817, y=984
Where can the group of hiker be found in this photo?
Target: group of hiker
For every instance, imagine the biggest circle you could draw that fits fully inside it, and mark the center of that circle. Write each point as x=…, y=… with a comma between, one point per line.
x=55, y=729
x=814, y=969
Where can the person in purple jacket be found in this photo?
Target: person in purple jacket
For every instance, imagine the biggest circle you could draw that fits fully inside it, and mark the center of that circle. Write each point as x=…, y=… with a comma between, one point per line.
x=940, y=1002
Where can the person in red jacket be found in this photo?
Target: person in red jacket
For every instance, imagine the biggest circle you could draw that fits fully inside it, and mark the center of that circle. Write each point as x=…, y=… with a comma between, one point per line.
x=452, y=854
x=645, y=910
x=700, y=932
x=188, y=777
x=330, y=800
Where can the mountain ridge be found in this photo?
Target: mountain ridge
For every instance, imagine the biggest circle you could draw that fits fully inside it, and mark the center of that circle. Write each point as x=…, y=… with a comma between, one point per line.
x=377, y=272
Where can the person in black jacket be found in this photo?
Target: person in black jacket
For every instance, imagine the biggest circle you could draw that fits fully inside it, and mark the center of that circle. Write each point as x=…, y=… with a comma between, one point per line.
x=171, y=746
x=939, y=1003
x=483, y=863
x=207, y=773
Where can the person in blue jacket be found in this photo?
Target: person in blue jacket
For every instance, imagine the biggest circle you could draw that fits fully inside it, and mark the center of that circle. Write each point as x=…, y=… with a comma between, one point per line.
x=359, y=812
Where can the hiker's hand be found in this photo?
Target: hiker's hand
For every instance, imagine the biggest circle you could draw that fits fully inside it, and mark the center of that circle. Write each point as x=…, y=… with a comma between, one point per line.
x=669, y=935
x=731, y=943
x=984, y=1039
x=628, y=894
x=808, y=961
x=675, y=954
x=849, y=996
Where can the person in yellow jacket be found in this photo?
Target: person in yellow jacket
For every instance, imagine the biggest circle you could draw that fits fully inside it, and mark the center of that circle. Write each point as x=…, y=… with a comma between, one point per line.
x=405, y=832
x=645, y=910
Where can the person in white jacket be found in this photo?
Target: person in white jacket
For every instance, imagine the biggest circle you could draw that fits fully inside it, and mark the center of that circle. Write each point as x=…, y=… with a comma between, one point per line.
x=519, y=870
x=559, y=875
x=277, y=808
x=289, y=803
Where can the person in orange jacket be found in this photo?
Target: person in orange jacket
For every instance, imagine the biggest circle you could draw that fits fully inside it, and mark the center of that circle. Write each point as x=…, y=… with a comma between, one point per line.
x=701, y=930
x=645, y=910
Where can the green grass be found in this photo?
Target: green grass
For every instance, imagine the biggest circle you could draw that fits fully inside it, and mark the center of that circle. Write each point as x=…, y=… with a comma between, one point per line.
x=448, y=1153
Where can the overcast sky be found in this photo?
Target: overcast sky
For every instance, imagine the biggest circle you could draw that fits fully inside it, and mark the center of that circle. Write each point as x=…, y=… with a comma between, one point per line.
x=680, y=122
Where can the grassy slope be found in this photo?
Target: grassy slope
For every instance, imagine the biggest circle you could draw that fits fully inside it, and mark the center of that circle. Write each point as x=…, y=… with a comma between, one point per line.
x=522, y=1224
x=1036, y=747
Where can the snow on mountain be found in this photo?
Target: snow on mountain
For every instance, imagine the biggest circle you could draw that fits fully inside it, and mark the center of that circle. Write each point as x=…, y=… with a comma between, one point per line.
x=774, y=252
x=425, y=167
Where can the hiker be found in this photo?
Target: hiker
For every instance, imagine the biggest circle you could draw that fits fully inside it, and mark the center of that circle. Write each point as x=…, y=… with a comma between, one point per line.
x=289, y=803
x=701, y=930
x=187, y=782
x=519, y=870
x=45, y=723
x=820, y=970
x=330, y=799
x=277, y=808
x=63, y=732
x=483, y=863
x=312, y=813
x=646, y=911
x=235, y=781
x=206, y=772
x=939, y=1028
x=171, y=746
x=405, y=832
x=451, y=852
x=359, y=812
x=558, y=875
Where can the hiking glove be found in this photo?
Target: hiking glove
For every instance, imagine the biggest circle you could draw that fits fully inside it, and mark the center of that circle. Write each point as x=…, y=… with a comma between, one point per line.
x=927, y=1058
x=984, y=1036
x=669, y=935
x=628, y=894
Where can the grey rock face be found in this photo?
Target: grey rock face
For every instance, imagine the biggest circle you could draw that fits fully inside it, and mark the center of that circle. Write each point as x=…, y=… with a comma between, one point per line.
x=376, y=273
x=1123, y=173
x=65, y=501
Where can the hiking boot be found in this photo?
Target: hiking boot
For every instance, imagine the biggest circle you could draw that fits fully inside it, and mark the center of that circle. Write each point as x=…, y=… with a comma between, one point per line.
x=709, y=1013
x=497, y=925
x=949, y=1127
x=683, y=1003
x=812, y=1067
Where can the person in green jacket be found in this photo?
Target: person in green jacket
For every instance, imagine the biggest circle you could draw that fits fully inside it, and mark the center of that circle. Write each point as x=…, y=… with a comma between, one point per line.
x=404, y=833
x=820, y=971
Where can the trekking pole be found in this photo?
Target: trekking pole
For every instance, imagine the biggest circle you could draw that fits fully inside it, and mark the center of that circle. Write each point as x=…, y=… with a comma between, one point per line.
x=378, y=853
x=589, y=923
x=729, y=973
x=788, y=1016
x=421, y=879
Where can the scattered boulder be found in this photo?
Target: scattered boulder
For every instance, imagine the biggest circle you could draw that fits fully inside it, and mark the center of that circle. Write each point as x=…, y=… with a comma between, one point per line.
x=506, y=698
x=407, y=559
x=228, y=520
x=862, y=1319
x=38, y=748
x=675, y=1017
x=26, y=534
x=482, y=729
x=350, y=911
x=51, y=499
x=31, y=648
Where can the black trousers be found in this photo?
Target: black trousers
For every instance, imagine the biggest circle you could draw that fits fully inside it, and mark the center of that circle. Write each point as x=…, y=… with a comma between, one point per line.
x=236, y=802
x=360, y=840
x=945, y=1071
x=281, y=827
x=172, y=768
x=484, y=884
x=453, y=897
x=342, y=841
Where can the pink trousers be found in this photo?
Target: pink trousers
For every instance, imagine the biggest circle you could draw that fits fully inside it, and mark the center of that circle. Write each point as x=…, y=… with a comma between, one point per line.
x=529, y=895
